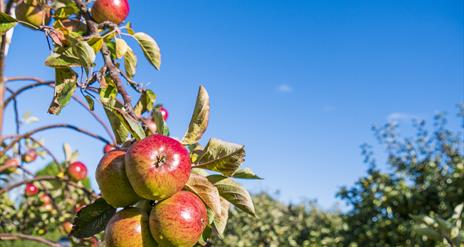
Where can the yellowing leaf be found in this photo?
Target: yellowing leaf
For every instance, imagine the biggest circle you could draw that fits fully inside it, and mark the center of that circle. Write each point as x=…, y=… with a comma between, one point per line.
x=150, y=48
x=200, y=118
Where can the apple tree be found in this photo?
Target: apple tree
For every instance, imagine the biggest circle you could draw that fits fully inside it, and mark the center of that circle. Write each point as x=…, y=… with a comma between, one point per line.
x=156, y=190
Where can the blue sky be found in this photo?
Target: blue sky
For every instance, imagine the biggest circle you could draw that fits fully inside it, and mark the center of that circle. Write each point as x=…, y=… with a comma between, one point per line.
x=300, y=83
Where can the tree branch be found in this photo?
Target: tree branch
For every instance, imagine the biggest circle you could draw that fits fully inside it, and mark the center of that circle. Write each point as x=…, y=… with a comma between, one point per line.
x=20, y=236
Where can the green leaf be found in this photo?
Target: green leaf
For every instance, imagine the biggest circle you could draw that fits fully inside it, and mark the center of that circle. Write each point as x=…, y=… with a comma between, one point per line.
x=96, y=44
x=150, y=48
x=221, y=156
x=130, y=63
x=206, y=191
x=234, y=193
x=129, y=122
x=65, y=85
x=119, y=129
x=85, y=53
x=220, y=220
x=60, y=60
x=6, y=22
x=161, y=126
x=92, y=219
x=428, y=232
x=145, y=103
x=90, y=102
x=200, y=118
x=121, y=48
x=245, y=173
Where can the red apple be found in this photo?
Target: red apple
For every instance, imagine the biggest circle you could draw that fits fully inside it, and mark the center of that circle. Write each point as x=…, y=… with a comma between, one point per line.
x=157, y=167
x=108, y=148
x=179, y=220
x=77, y=171
x=45, y=199
x=31, y=190
x=29, y=156
x=110, y=10
x=164, y=113
x=34, y=15
x=112, y=180
x=129, y=227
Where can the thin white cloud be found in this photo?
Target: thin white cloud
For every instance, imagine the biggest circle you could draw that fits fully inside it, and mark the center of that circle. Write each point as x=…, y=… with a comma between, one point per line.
x=284, y=88
x=397, y=117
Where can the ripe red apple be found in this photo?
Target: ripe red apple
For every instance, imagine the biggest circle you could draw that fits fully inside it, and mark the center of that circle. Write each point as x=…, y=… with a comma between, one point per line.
x=108, y=148
x=29, y=156
x=31, y=190
x=77, y=171
x=34, y=15
x=179, y=220
x=129, y=227
x=110, y=10
x=157, y=167
x=164, y=113
x=112, y=180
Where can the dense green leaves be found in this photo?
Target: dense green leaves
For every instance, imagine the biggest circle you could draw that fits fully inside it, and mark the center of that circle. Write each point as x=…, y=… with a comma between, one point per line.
x=6, y=22
x=65, y=85
x=206, y=191
x=92, y=219
x=233, y=192
x=200, y=118
x=150, y=48
x=221, y=156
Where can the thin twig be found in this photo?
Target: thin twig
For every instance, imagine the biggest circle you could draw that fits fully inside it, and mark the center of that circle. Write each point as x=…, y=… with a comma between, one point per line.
x=20, y=236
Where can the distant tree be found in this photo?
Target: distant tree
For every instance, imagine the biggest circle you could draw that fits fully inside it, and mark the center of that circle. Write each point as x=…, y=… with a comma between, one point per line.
x=424, y=175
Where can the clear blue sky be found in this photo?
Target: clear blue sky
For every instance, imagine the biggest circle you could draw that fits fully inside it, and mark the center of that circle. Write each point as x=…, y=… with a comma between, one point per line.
x=299, y=82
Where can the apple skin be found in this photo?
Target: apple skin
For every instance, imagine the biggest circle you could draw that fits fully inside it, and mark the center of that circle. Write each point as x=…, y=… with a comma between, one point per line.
x=34, y=15
x=31, y=190
x=77, y=171
x=110, y=10
x=179, y=220
x=164, y=113
x=67, y=227
x=29, y=156
x=129, y=227
x=157, y=167
x=112, y=180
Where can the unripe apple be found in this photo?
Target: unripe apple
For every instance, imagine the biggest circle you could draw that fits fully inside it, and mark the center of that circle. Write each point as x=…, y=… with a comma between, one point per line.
x=108, y=148
x=129, y=227
x=157, y=167
x=34, y=15
x=112, y=180
x=110, y=10
x=179, y=220
x=77, y=171
x=29, y=156
x=164, y=113
x=31, y=190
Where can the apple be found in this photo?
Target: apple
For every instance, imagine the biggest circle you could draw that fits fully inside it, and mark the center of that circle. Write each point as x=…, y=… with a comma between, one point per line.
x=179, y=220
x=77, y=171
x=11, y=165
x=108, y=148
x=129, y=227
x=110, y=10
x=45, y=199
x=164, y=113
x=112, y=180
x=67, y=227
x=31, y=190
x=34, y=15
x=157, y=167
x=29, y=156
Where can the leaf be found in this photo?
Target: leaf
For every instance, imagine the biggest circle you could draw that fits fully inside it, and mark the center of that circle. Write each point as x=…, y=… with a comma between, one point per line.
x=90, y=102
x=221, y=156
x=96, y=44
x=428, y=232
x=245, y=173
x=207, y=192
x=92, y=219
x=27, y=118
x=121, y=48
x=220, y=220
x=234, y=193
x=200, y=118
x=129, y=122
x=150, y=48
x=161, y=126
x=6, y=22
x=119, y=129
x=57, y=60
x=145, y=103
x=65, y=85
x=85, y=53
x=130, y=63
x=67, y=151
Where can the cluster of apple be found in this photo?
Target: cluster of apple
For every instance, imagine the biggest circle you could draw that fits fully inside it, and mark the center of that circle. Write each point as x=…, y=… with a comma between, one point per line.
x=152, y=170
x=38, y=13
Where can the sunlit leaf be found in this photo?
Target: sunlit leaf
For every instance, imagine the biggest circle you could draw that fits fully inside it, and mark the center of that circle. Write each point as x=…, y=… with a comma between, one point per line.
x=200, y=118
x=65, y=85
x=150, y=48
